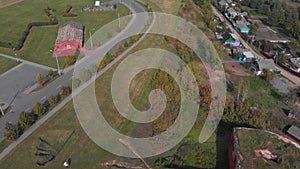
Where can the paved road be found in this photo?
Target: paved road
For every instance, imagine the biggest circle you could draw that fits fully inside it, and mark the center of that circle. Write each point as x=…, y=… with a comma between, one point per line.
x=285, y=73
x=23, y=101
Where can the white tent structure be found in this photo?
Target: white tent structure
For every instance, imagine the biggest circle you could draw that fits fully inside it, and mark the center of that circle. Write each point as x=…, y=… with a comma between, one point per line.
x=97, y=3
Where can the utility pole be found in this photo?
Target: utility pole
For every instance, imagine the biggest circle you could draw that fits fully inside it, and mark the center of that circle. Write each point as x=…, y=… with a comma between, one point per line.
x=58, y=69
x=2, y=112
x=91, y=41
x=119, y=19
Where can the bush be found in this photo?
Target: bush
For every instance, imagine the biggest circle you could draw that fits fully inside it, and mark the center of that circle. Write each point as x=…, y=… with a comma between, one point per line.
x=85, y=75
x=53, y=100
x=39, y=109
x=39, y=78
x=65, y=91
x=50, y=72
x=93, y=68
x=75, y=83
x=26, y=120
x=70, y=60
x=12, y=131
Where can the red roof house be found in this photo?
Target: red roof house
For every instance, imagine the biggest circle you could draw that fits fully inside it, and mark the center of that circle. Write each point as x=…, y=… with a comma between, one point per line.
x=69, y=39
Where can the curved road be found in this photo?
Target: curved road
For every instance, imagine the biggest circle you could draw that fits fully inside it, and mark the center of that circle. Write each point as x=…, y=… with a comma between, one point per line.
x=26, y=101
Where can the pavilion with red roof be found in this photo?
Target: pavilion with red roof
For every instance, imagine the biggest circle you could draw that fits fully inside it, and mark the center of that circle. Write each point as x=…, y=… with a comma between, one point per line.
x=69, y=39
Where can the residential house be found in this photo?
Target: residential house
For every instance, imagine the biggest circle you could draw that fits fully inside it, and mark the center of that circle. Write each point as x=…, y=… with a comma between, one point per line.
x=294, y=133
x=242, y=26
x=231, y=13
x=296, y=64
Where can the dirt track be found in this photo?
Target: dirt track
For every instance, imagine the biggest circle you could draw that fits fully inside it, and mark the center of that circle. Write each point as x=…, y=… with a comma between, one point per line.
x=10, y=4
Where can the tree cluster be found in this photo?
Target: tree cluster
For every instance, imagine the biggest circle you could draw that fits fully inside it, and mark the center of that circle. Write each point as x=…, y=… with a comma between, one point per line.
x=279, y=14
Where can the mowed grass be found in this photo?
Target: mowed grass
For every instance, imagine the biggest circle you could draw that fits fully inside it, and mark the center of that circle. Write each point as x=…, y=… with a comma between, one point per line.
x=41, y=40
x=82, y=150
x=38, y=45
x=6, y=64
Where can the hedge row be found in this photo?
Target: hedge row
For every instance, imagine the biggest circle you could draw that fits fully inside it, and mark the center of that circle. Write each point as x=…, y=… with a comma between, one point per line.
x=23, y=38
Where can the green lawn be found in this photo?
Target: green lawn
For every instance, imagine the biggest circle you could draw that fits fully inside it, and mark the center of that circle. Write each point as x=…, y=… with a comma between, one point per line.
x=42, y=39
x=6, y=64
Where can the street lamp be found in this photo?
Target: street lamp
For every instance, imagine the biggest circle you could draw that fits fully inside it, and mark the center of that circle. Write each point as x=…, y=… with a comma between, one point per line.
x=58, y=69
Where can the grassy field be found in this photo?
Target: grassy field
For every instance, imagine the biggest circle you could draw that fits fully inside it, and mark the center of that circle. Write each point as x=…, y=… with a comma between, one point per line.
x=86, y=154
x=6, y=64
x=41, y=40
x=254, y=140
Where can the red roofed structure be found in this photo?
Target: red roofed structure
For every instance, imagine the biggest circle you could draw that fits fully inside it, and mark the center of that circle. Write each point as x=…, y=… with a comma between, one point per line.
x=69, y=39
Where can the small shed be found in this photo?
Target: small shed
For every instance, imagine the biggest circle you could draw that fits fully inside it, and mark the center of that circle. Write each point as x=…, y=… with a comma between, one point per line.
x=294, y=132
x=266, y=64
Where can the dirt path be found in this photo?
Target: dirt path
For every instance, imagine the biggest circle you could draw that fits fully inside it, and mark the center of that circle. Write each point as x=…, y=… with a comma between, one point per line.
x=10, y=4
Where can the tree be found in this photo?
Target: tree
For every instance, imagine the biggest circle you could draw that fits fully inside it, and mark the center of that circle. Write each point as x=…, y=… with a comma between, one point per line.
x=253, y=29
x=269, y=75
x=53, y=100
x=65, y=91
x=39, y=78
x=93, y=68
x=85, y=75
x=296, y=30
x=39, y=109
x=26, y=120
x=75, y=83
x=50, y=72
x=101, y=64
x=12, y=131
x=70, y=60
x=291, y=18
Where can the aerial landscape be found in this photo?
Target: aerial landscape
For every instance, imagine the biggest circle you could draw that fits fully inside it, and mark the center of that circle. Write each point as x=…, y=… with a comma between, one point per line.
x=150, y=84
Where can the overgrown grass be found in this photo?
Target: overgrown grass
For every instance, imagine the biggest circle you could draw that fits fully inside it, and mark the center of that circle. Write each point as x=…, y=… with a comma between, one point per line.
x=254, y=140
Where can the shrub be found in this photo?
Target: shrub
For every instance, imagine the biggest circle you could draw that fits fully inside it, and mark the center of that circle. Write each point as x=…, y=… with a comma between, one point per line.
x=85, y=75
x=12, y=131
x=39, y=78
x=70, y=60
x=39, y=109
x=26, y=120
x=65, y=91
x=75, y=83
x=53, y=100
x=50, y=72
x=93, y=68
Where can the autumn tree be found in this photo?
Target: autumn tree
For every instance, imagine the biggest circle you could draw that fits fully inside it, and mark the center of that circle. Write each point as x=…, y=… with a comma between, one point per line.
x=26, y=120
x=39, y=78
x=12, y=131
x=39, y=109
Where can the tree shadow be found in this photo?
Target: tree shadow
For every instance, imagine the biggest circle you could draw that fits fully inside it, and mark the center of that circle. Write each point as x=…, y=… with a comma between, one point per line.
x=224, y=131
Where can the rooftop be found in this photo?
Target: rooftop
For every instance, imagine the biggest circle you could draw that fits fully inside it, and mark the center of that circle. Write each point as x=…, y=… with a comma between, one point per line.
x=267, y=34
x=294, y=131
x=266, y=64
